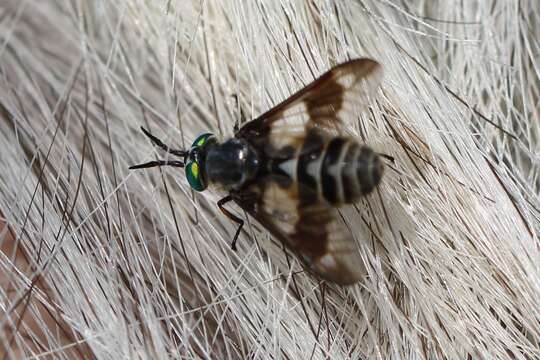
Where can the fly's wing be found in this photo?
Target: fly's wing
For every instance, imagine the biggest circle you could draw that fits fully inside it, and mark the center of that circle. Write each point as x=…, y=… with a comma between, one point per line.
x=306, y=224
x=294, y=213
x=322, y=104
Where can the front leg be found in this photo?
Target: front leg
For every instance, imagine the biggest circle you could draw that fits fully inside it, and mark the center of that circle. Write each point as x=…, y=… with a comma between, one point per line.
x=157, y=142
x=231, y=216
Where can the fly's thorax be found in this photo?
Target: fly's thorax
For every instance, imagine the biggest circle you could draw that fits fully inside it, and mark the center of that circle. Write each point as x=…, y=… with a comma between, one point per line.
x=231, y=164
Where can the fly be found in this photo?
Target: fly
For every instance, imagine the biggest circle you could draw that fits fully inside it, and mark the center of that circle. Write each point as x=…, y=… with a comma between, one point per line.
x=293, y=167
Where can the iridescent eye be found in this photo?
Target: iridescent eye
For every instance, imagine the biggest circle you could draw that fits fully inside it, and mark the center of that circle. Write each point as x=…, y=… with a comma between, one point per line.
x=201, y=140
x=193, y=175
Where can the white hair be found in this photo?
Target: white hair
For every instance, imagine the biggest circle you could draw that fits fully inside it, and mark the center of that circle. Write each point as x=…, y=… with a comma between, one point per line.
x=133, y=264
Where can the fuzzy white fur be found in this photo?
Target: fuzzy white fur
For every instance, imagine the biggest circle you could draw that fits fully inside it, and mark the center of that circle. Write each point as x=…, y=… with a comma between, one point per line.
x=140, y=267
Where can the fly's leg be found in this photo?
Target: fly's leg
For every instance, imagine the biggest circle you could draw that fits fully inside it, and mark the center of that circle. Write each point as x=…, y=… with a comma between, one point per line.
x=159, y=143
x=242, y=115
x=388, y=157
x=231, y=216
x=157, y=163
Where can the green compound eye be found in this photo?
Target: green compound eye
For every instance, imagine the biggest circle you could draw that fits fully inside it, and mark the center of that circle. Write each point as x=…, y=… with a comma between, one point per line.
x=193, y=170
x=201, y=140
x=193, y=175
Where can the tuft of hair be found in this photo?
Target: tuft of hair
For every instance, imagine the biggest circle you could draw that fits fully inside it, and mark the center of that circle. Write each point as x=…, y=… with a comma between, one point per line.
x=102, y=262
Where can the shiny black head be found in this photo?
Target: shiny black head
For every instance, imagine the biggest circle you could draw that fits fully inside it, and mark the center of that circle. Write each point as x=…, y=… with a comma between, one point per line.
x=230, y=164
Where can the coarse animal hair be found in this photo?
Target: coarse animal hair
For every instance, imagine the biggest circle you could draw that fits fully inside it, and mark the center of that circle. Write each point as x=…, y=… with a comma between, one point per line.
x=102, y=262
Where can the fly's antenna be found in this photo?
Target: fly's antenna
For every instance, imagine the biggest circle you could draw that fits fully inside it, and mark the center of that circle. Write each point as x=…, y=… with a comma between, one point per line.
x=175, y=163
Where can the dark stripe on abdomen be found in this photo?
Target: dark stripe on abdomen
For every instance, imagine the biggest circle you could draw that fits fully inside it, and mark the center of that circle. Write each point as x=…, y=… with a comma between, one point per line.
x=349, y=171
x=330, y=173
x=339, y=170
x=351, y=187
x=369, y=169
x=310, y=154
x=312, y=150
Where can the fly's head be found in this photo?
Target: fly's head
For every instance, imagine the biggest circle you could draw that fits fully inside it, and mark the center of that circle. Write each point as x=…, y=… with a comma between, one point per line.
x=194, y=161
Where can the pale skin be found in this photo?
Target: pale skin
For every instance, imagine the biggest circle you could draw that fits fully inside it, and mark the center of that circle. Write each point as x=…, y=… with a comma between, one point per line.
x=22, y=302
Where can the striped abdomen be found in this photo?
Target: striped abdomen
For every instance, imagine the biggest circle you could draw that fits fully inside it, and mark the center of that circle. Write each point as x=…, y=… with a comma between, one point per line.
x=339, y=169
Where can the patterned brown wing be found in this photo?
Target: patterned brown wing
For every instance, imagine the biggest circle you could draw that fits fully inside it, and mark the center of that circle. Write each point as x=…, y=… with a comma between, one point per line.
x=306, y=224
x=321, y=104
